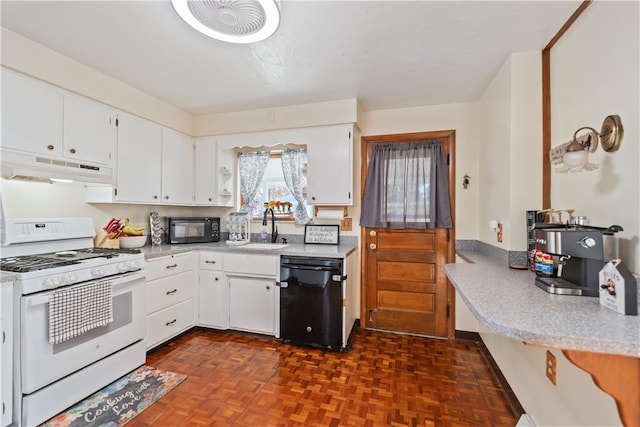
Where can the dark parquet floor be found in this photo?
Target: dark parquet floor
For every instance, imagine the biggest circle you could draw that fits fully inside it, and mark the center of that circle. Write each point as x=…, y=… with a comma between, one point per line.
x=383, y=379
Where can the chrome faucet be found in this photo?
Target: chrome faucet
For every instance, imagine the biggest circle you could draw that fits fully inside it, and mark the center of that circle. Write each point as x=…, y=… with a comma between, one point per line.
x=274, y=229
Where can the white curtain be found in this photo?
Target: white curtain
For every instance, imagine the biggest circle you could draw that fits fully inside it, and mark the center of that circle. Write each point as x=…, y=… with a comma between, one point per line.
x=252, y=166
x=294, y=163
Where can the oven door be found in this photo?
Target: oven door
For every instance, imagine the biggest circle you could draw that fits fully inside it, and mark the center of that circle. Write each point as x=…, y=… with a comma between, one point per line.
x=43, y=363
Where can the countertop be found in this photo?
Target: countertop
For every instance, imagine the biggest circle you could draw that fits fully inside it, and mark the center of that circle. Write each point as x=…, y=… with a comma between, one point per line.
x=509, y=303
x=292, y=249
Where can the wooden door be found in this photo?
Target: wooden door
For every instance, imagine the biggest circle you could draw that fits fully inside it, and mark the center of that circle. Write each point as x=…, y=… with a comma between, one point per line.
x=405, y=288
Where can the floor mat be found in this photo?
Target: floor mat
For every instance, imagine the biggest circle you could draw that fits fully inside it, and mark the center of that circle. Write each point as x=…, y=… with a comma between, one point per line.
x=120, y=401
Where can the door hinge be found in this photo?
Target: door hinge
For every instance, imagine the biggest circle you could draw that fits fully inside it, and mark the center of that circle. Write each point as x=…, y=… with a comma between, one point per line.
x=447, y=310
x=117, y=122
x=349, y=134
x=448, y=159
x=448, y=235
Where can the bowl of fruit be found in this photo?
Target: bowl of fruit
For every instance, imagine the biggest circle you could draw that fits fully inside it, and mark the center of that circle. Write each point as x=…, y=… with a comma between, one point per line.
x=132, y=236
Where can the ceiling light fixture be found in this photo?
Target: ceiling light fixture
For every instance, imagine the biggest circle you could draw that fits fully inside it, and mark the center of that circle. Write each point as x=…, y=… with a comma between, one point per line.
x=233, y=21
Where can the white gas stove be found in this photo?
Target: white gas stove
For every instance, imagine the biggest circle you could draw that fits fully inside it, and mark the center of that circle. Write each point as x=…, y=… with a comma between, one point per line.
x=58, y=360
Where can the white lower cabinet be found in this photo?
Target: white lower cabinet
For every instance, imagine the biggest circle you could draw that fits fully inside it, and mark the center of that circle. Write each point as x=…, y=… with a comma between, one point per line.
x=212, y=293
x=170, y=296
x=254, y=299
x=251, y=304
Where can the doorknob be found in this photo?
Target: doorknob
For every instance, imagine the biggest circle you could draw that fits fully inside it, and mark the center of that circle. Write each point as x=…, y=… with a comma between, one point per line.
x=372, y=233
x=372, y=246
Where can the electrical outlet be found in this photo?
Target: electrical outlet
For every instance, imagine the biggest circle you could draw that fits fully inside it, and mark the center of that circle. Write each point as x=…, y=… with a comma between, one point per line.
x=346, y=224
x=551, y=367
x=499, y=235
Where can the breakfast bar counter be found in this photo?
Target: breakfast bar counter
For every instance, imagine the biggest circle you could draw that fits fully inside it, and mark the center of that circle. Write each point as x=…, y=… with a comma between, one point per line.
x=507, y=302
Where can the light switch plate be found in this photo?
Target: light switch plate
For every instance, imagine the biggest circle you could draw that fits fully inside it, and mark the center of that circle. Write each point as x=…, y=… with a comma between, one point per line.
x=346, y=224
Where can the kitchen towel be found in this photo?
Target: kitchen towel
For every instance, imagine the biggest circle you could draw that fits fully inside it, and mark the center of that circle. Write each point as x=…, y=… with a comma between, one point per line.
x=74, y=311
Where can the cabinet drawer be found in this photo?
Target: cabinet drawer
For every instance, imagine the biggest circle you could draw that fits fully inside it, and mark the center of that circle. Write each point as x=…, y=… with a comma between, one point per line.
x=169, y=265
x=210, y=261
x=252, y=265
x=169, y=322
x=170, y=290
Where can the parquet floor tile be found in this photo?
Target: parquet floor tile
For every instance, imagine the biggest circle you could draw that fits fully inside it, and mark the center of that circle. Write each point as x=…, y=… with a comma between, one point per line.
x=383, y=379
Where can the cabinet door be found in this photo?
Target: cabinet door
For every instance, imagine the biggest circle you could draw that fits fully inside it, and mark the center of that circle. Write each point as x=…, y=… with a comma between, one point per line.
x=90, y=133
x=330, y=166
x=177, y=168
x=211, y=300
x=31, y=116
x=139, y=160
x=251, y=304
x=206, y=173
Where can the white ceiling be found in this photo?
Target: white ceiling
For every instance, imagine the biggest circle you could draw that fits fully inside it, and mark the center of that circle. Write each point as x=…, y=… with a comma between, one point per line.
x=388, y=54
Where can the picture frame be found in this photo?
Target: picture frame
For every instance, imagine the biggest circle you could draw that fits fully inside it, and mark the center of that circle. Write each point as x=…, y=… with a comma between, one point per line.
x=321, y=234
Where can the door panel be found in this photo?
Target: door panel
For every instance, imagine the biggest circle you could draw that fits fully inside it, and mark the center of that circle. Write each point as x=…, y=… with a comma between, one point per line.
x=406, y=286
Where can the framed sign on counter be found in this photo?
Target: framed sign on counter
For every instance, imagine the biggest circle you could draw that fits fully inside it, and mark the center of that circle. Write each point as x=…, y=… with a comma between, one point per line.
x=322, y=234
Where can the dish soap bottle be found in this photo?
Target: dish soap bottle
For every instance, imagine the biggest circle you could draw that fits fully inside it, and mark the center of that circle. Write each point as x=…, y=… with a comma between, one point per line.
x=263, y=236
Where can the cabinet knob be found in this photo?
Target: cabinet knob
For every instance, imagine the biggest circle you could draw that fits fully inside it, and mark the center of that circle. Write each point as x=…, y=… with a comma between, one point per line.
x=309, y=329
x=268, y=287
x=372, y=246
x=155, y=196
x=216, y=279
x=166, y=197
x=210, y=199
x=50, y=147
x=72, y=151
x=313, y=197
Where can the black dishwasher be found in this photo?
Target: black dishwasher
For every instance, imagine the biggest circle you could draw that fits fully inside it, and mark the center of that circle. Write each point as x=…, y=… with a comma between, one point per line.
x=311, y=301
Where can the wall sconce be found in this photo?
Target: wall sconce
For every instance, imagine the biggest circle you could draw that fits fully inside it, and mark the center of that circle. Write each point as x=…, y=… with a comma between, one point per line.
x=573, y=156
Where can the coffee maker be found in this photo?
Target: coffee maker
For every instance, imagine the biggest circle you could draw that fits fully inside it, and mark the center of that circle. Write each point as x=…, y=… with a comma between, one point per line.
x=569, y=257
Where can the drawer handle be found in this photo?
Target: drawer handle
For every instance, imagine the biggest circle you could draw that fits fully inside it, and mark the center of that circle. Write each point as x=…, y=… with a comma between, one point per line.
x=172, y=292
x=209, y=262
x=168, y=267
x=171, y=323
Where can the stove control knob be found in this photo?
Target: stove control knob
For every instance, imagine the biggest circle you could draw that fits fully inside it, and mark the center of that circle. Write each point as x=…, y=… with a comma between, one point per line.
x=52, y=282
x=135, y=265
x=97, y=272
x=587, y=242
x=122, y=267
x=69, y=278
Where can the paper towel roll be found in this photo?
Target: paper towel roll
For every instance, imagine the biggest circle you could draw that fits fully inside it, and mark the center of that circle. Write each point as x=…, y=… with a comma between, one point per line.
x=337, y=213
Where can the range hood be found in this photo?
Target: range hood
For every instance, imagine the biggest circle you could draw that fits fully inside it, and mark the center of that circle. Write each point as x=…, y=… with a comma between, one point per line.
x=31, y=167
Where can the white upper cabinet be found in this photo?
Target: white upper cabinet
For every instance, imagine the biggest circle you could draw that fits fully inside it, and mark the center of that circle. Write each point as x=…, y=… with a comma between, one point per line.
x=177, y=168
x=90, y=133
x=330, y=166
x=32, y=114
x=139, y=160
x=206, y=173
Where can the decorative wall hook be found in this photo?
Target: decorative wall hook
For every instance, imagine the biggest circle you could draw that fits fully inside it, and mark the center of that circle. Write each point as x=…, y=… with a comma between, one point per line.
x=465, y=181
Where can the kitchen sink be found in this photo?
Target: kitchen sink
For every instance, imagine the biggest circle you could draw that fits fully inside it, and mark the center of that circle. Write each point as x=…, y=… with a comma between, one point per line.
x=265, y=246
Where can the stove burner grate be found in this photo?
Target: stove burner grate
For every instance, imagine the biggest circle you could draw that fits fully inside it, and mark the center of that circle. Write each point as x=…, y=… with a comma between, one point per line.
x=28, y=263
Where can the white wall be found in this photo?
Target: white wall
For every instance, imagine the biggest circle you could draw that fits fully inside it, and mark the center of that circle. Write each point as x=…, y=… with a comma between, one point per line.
x=510, y=158
x=594, y=73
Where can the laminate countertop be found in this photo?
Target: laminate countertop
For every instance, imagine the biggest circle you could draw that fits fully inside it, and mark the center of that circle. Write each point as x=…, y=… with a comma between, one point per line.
x=509, y=303
x=292, y=249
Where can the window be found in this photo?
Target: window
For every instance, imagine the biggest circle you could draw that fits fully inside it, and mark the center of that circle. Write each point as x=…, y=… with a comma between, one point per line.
x=266, y=183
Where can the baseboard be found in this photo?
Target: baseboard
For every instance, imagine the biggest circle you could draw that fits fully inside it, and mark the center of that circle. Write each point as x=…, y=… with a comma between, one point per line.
x=516, y=408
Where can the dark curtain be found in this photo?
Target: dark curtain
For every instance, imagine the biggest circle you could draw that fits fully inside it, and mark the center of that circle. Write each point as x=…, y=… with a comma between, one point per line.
x=407, y=187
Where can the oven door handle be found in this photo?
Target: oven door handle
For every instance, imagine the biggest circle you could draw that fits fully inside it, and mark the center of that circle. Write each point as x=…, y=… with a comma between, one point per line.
x=36, y=300
x=308, y=267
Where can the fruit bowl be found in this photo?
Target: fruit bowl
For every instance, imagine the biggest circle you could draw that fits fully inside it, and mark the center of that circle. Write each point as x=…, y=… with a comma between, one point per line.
x=130, y=242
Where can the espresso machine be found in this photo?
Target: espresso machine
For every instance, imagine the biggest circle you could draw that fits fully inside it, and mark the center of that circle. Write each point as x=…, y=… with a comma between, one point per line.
x=569, y=257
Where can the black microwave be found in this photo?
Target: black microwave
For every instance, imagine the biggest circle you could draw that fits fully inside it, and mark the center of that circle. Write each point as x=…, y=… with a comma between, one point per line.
x=192, y=230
